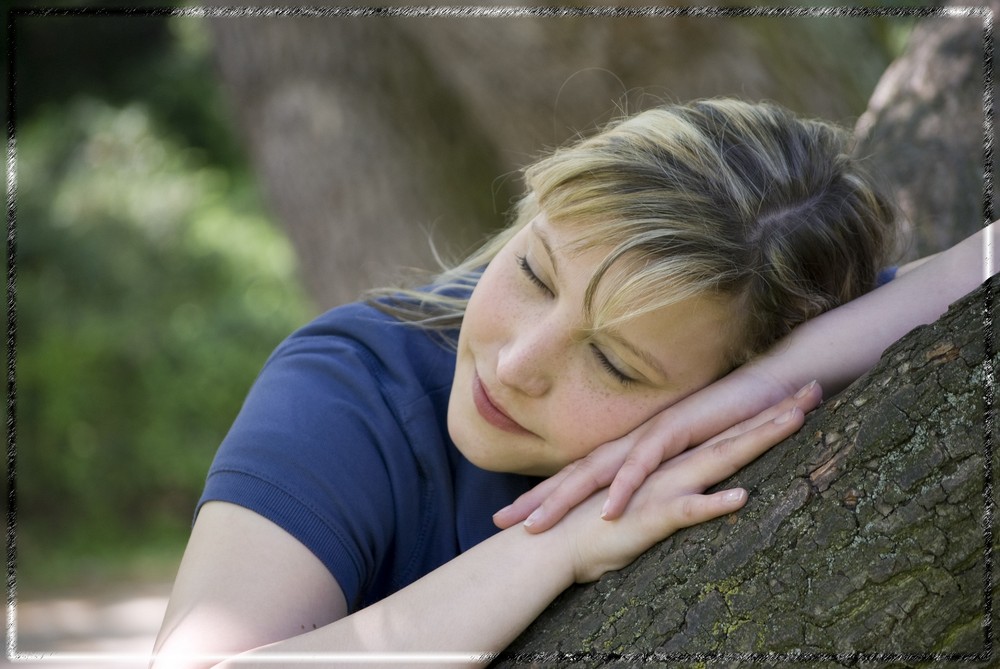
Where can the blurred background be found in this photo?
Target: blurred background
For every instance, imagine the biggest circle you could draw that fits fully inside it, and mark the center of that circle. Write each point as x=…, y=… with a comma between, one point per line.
x=191, y=190
x=151, y=285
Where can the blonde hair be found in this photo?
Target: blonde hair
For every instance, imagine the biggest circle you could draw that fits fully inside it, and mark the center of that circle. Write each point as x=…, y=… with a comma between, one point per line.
x=718, y=197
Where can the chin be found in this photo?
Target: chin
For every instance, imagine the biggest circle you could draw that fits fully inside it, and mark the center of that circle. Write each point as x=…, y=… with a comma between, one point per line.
x=480, y=455
x=492, y=457
x=492, y=450
x=469, y=443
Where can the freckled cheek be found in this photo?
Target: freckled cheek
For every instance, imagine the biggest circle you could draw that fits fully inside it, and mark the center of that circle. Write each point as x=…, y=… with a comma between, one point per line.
x=589, y=416
x=496, y=302
x=487, y=314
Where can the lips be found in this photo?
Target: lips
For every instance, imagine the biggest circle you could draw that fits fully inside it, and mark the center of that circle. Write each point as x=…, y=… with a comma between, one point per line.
x=491, y=413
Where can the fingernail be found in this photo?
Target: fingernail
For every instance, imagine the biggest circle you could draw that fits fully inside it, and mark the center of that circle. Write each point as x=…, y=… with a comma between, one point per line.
x=785, y=417
x=732, y=495
x=503, y=510
x=805, y=390
x=532, y=519
x=604, y=509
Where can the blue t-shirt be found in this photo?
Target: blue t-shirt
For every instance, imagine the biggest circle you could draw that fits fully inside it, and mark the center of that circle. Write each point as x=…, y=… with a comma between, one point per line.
x=885, y=276
x=343, y=442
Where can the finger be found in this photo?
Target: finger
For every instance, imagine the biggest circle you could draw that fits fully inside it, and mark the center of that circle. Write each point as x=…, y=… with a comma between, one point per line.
x=807, y=399
x=710, y=463
x=521, y=507
x=809, y=396
x=643, y=460
x=583, y=478
x=664, y=436
x=647, y=455
x=694, y=509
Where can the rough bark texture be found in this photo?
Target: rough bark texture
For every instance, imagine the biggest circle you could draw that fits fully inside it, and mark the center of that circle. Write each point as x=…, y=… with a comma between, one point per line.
x=863, y=543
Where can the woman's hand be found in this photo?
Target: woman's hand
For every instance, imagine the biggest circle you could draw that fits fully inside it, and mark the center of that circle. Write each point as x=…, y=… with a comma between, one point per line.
x=625, y=463
x=672, y=497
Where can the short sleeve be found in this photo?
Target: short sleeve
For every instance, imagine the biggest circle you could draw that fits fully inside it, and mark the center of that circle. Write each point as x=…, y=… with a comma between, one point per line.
x=306, y=452
x=343, y=442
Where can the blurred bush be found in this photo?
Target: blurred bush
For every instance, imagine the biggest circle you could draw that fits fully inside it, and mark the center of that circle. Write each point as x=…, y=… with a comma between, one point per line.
x=150, y=289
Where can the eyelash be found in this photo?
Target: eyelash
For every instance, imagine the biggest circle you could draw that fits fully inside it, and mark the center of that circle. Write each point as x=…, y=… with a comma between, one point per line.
x=612, y=370
x=522, y=262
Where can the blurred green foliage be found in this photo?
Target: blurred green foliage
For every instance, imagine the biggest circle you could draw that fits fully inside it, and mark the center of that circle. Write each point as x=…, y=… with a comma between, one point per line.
x=150, y=289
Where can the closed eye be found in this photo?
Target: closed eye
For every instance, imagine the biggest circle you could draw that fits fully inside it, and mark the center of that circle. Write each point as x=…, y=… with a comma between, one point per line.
x=622, y=378
x=522, y=262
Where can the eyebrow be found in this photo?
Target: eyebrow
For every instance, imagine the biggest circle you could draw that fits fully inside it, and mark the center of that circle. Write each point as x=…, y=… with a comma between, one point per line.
x=545, y=243
x=648, y=359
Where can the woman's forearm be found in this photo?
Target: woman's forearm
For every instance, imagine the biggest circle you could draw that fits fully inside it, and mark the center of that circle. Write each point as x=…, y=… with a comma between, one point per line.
x=841, y=345
x=477, y=603
x=835, y=348
x=474, y=605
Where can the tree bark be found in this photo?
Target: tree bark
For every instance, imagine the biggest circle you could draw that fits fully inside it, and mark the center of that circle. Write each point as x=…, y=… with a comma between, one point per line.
x=866, y=542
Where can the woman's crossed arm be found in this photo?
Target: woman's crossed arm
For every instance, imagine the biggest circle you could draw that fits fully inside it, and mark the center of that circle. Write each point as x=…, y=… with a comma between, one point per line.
x=835, y=348
x=249, y=591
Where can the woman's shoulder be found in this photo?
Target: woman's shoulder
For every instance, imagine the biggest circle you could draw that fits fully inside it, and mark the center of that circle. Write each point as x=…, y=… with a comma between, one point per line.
x=361, y=354
x=886, y=275
x=363, y=326
x=361, y=321
x=349, y=412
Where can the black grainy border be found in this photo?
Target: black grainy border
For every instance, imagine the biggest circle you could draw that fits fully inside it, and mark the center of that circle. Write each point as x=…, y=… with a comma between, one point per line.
x=11, y=479
x=989, y=388
x=989, y=383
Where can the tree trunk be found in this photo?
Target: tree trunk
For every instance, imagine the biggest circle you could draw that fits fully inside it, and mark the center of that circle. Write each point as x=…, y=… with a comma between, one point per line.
x=368, y=133
x=923, y=133
x=866, y=541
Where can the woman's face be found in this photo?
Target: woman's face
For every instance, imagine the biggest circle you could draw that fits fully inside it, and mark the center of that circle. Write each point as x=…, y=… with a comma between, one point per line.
x=531, y=394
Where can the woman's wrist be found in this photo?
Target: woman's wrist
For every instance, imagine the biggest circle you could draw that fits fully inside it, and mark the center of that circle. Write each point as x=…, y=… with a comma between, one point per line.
x=738, y=396
x=553, y=553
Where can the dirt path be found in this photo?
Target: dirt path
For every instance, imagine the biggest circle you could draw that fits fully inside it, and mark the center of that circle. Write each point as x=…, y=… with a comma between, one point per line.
x=122, y=624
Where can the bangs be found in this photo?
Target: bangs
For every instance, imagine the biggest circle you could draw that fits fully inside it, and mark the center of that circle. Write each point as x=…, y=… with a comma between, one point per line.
x=633, y=281
x=625, y=288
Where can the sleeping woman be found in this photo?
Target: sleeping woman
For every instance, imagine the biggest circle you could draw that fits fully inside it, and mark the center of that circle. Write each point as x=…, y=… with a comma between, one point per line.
x=666, y=304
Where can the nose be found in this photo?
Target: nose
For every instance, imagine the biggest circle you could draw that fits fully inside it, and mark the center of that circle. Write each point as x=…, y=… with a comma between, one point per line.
x=530, y=358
